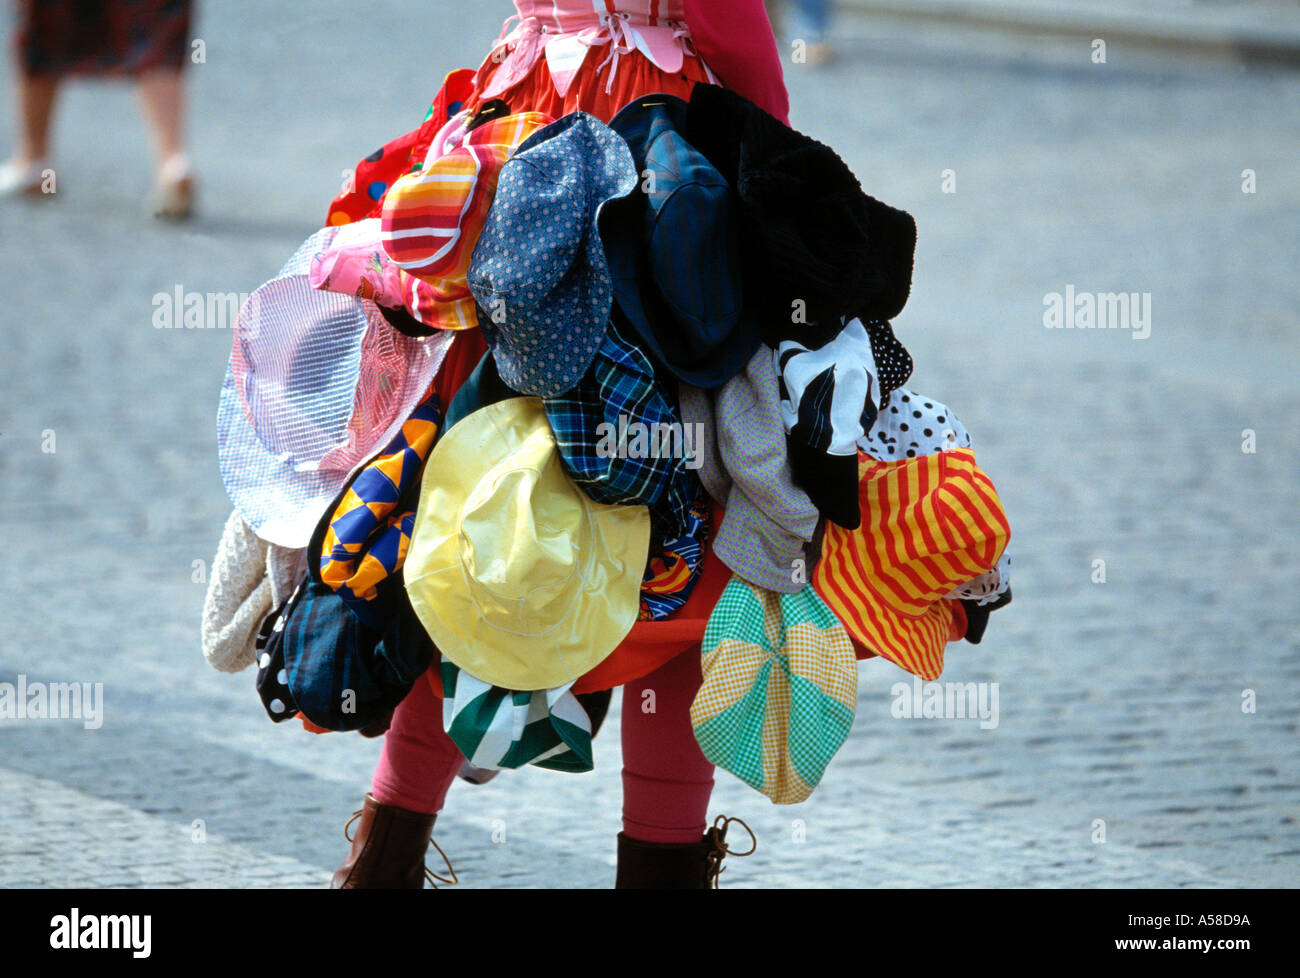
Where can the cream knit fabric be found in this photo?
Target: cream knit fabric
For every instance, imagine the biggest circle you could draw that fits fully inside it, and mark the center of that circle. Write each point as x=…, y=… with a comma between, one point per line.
x=249, y=579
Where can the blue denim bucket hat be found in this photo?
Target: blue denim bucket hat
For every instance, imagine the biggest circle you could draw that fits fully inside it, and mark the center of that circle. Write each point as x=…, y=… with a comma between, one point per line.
x=539, y=274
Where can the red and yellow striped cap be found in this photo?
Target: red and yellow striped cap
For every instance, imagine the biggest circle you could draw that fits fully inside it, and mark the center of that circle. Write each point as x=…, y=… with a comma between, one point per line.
x=432, y=217
x=929, y=524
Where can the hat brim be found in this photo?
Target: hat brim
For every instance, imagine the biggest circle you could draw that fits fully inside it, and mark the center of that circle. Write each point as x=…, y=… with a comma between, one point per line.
x=280, y=502
x=448, y=315
x=543, y=654
x=280, y=496
x=915, y=643
x=661, y=331
x=582, y=298
x=886, y=581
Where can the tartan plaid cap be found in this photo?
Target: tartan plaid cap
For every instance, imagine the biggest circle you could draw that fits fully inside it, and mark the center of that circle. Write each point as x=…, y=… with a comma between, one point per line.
x=622, y=441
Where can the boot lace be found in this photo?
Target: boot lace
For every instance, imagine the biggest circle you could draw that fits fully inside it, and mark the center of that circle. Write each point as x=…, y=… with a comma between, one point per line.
x=720, y=850
x=434, y=879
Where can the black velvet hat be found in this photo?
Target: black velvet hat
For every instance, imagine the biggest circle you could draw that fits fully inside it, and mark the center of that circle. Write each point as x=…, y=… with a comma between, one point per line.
x=817, y=248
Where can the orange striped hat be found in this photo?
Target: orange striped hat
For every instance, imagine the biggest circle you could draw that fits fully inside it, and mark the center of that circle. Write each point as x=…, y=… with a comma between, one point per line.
x=432, y=217
x=929, y=524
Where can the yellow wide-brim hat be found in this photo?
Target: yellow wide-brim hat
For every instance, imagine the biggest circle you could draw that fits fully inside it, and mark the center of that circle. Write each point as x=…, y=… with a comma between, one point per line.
x=519, y=578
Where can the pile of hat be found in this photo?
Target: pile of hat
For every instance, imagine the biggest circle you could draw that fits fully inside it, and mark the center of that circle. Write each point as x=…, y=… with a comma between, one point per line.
x=533, y=377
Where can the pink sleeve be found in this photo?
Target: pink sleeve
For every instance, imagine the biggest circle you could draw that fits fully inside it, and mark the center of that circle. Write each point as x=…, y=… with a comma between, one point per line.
x=735, y=39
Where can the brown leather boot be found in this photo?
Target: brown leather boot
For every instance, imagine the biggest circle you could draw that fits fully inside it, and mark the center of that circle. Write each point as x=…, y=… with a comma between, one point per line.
x=388, y=850
x=670, y=866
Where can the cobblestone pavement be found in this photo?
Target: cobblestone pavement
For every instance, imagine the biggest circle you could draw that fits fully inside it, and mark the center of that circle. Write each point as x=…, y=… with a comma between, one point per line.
x=1120, y=703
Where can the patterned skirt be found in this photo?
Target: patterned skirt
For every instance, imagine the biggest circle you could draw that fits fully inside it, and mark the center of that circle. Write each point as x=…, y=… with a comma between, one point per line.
x=102, y=37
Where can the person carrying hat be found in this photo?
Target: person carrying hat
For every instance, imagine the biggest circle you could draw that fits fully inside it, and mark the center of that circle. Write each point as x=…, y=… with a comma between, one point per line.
x=609, y=221
x=555, y=58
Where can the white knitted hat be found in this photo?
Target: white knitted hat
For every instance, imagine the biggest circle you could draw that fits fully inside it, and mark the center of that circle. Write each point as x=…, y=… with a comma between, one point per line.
x=249, y=579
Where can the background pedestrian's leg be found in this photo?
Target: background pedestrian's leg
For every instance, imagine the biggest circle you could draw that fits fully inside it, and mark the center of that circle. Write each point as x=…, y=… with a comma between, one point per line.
x=812, y=26
x=666, y=780
x=419, y=761
x=36, y=97
x=162, y=93
x=22, y=174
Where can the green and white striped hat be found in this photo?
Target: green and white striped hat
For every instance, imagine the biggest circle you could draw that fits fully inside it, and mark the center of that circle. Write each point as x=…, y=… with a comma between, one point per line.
x=505, y=728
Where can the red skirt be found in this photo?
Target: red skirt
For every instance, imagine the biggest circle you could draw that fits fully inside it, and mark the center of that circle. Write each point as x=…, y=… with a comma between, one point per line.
x=102, y=37
x=634, y=75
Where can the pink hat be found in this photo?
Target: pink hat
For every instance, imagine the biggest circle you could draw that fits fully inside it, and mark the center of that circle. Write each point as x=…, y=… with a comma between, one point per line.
x=317, y=382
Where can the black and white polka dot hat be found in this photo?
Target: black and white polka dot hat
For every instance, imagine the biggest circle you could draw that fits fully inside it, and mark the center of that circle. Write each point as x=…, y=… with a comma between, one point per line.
x=910, y=425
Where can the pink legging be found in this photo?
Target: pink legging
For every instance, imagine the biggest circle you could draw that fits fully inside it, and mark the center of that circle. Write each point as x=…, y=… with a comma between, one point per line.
x=666, y=780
